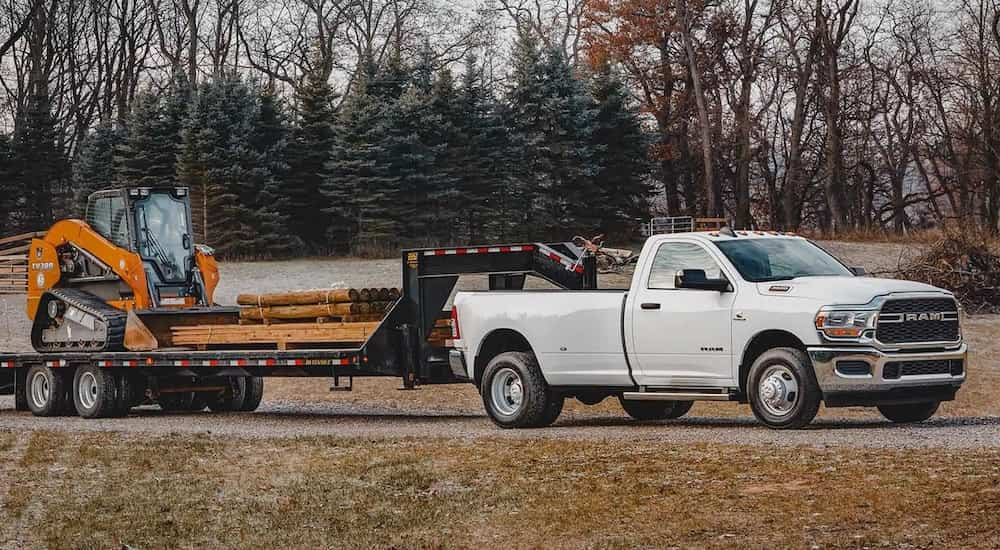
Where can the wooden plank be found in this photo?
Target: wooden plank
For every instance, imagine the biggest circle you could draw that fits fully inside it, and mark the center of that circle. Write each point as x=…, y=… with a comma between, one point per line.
x=304, y=312
x=22, y=237
x=279, y=335
x=14, y=258
x=301, y=298
x=15, y=250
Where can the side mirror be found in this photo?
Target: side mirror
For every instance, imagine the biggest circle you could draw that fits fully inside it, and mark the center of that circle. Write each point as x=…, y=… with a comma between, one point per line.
x=859, y=271
x=186, y=241
x=697, y=280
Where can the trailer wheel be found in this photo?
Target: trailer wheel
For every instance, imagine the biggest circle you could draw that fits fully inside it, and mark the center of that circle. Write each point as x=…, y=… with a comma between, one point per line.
x=253, y=393
x=95, y=392
x=45, y=391
x=911, y=412
x=515, y=393
x=232, y=398
x=783, y=390
x=655, y=410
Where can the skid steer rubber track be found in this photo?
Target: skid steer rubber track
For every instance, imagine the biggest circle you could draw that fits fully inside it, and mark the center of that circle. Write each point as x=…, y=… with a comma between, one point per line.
x=114, y=320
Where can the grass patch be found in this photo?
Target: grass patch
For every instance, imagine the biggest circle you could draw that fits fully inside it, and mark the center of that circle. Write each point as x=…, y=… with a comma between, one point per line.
x=189, y=491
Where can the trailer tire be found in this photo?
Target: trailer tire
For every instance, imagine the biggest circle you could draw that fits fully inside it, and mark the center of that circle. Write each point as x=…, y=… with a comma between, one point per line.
x=231, y=399
x=45, y=391
x=20, y=391
x=95, y=392
x=782, y=389
x=515, y=393
x=910, y=412
x=253, y=393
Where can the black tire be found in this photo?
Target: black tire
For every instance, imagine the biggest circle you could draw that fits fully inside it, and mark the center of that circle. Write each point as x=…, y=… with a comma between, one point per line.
x=254, y=393
x=45, y=391
x=554, y=409
x=654, y=410
x=198, y=402
x=176, y=401
x=95, y=392
x=232, y=398
x=20, y=392
x=794, y=396
x=910, y=412
x=530, y=405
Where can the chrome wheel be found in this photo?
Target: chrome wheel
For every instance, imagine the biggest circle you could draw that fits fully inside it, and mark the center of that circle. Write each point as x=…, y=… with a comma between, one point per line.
x=88, y=390
x=778, y=390
x=507, y=392
x=40, y=390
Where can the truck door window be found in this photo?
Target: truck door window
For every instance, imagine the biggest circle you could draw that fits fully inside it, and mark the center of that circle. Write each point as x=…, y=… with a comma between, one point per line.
x=673, y=257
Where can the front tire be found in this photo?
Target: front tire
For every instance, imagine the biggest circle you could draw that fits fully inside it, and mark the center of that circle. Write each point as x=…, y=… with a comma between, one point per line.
x=783, y=390
x=95, y=392
x=515, y=393
x=45, y=392
x=911, y=412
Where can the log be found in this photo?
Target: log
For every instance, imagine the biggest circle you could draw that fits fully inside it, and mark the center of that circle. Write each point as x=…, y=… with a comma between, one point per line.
x=308, y=297
x=366, y=295
x=314, y=311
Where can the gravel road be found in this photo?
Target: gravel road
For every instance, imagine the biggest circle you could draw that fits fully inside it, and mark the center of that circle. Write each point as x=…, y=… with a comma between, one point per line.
x=280, y=419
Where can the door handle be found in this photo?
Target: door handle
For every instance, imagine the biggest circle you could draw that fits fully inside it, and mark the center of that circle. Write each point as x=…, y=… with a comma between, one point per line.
x=650, y=305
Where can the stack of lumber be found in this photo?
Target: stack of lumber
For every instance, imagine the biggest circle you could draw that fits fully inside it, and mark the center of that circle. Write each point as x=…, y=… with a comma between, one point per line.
x=441, y=333
x=14, y=262
x=345, y=305
x=281, y=337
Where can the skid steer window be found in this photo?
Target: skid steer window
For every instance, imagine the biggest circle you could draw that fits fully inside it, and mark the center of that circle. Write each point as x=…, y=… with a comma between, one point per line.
x=164, y=234
x=107, y=216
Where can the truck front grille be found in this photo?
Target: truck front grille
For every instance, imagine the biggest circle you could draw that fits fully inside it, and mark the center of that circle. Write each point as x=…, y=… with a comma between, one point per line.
x=918, y=320
x=899, y=369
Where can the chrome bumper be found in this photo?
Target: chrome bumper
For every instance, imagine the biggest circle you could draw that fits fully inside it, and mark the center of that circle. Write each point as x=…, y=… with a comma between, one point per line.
x=456, y=360
x=840, y=389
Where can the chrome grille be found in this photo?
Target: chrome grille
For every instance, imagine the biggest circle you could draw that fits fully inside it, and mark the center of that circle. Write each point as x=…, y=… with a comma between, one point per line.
x=918, y=320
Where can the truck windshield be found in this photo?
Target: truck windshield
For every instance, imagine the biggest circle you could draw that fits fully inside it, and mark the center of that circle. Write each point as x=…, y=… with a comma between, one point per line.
x=163, y=233
x=760, y=260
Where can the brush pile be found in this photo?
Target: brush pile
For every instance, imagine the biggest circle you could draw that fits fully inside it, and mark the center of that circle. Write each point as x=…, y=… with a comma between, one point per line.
x=967, y=266
x=345, y=305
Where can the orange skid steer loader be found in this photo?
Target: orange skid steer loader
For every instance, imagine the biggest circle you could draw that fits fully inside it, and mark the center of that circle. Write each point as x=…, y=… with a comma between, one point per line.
x=121, y=279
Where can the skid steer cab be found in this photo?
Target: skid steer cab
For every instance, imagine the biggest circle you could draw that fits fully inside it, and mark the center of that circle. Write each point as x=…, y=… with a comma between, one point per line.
x=133, y=253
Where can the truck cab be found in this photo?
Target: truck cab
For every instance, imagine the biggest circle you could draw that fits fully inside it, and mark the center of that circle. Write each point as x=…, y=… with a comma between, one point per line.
x=763, y=318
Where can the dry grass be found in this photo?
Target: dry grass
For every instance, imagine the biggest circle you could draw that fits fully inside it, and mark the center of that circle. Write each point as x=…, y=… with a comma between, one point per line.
x=192, y=492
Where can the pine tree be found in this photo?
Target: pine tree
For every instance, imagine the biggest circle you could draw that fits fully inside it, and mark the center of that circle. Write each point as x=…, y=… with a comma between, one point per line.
x=270, y=207
x=38, y=167
x=94, y=167
x=552, y=122
x=217, y=162
x=148, y=158
x=481, y=158
x=7, y=184
x=308, y=152
x=622, y=162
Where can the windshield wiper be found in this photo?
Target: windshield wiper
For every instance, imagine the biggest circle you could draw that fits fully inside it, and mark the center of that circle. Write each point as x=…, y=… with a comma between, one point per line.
x=154, y=246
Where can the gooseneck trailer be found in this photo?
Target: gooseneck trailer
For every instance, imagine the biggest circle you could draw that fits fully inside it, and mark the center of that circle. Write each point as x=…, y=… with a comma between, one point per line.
x=103, y=384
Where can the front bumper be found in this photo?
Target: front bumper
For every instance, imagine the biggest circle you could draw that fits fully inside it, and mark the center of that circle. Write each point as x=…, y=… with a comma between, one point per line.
x=846, y=386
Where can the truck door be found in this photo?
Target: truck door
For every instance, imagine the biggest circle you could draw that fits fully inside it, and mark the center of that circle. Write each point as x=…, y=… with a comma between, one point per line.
x=682, y=337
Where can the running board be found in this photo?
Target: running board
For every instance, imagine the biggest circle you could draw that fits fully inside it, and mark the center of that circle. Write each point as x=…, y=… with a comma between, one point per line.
x=676, y=396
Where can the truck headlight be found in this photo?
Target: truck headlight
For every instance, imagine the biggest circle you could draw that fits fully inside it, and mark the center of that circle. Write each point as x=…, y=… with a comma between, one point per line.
x=845, y=324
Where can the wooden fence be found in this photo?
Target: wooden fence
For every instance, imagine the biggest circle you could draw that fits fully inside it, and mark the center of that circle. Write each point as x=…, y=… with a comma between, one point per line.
x=14, y=262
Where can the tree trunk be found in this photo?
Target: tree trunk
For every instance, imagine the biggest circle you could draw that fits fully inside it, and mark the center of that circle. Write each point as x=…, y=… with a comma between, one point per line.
x=713, y=202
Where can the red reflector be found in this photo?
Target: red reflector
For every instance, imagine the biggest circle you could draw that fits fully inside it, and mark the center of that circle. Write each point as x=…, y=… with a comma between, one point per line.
x=439, y=252
x=504, y=249
x=528, y=248
x=455, y=333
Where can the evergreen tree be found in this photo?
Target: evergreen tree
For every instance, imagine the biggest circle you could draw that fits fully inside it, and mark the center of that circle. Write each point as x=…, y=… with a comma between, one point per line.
x=217, y=162
x=270, y=207
x=94, y=168
x=8, y=191
x=38, y=167
x=552, y=122
x=148, y=157
x=308, y=152
x=622, y=162
x=481, y=158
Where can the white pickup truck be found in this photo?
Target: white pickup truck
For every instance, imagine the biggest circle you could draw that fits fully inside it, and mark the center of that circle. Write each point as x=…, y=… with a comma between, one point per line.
x=764, y=318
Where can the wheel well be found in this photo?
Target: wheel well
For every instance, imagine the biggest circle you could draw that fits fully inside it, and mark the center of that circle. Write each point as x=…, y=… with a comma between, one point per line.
x=769, y=339
x=495, y=343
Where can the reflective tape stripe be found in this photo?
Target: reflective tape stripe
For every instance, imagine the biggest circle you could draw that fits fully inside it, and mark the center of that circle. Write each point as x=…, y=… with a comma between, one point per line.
x=478, y=250
x=267, y=363
x=238, y=363
x=7, y=364
x=59, y=363
x=182, y=363
x=296, y=362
